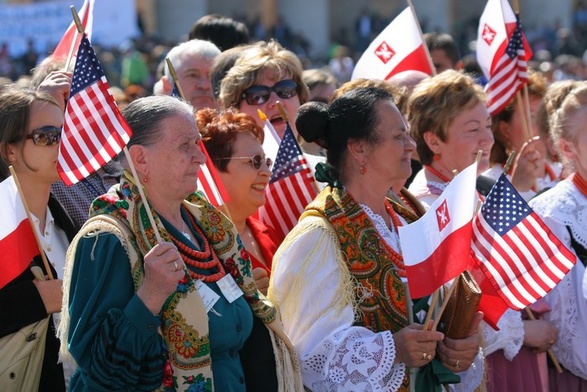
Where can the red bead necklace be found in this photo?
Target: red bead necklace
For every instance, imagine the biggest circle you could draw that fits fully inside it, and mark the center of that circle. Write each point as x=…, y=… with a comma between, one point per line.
x=437, y=173
x=193, y=257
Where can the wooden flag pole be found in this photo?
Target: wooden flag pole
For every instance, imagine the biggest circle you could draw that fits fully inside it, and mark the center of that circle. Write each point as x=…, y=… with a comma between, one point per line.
x=80, y=30
x=549, y=351
x=174, y=77
x=142, y=193
x=30, y=218
x=428, y=56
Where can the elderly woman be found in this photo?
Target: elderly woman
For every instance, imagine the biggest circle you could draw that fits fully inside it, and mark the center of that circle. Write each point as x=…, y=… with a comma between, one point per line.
x=338, y=275
x=145, y=314
x=450, y=123
x=30, y=133
x=264, y=74
x=564, y=210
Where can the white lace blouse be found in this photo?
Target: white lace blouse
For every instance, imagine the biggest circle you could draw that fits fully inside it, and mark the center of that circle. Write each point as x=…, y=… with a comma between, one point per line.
x=308, y=284
x=561, y=207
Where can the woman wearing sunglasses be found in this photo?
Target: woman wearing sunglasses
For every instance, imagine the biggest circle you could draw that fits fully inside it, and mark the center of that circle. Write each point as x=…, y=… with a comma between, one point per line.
x=30, y=132
x=235, y=144
x=264, y=74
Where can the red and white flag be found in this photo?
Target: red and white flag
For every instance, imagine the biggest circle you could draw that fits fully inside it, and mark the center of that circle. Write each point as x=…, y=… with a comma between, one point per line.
x=502, y=53
x=209, y=181
x=86, y=15
x=17, y=241
x=94, y=131
x=291, y=187
x=517, y=252
x=399, y=47
x=437, y=247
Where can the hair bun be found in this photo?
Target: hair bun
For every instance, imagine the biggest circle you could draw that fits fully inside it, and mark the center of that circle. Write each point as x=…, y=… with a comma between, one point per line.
x=312, y=122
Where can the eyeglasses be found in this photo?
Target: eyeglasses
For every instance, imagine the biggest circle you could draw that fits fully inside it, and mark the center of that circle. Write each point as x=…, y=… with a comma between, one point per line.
x=256, y=160
x=258, y=95
x=46, y=136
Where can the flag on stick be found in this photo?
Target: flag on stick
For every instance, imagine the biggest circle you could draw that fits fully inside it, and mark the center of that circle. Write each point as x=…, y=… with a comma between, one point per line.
x=209, y=181
x=445, y=249
x=86, y=14
x=291, y=187
x=17, y=241
x=94, y=131
x=502, y=53
x=399, y=47
x=517, y=252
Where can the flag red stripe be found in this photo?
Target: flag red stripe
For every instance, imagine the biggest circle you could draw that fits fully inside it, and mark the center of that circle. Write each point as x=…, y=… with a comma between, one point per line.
x=17, y=249
x=438, y=266
x=416, y=60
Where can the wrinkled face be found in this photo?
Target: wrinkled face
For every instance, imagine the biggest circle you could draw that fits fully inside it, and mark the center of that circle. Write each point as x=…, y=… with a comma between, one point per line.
x=172, y=163
x=39, y=160
x=194, y=78
x=244, y=183
x=469, y=132
x=290, y=105
x=389, y=159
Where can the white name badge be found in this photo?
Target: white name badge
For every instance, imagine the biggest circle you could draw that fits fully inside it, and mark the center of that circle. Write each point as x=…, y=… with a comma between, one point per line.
x=229, y=288
x=209, y=297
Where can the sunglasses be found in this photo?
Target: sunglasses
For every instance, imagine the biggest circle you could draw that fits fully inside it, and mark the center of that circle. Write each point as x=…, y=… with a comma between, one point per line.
x=46, y=136
x=258, y=95
x=255, y=160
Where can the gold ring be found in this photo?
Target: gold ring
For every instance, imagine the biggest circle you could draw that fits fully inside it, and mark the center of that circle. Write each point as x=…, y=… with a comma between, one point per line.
x=428, y=357
x=457, y=364
x=175, y=264
x=424, y=355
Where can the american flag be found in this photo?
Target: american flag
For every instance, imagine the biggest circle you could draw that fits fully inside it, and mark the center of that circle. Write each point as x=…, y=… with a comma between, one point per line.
x=291, y=187
x=94, y=131
x=502, y=53
x=517, y=252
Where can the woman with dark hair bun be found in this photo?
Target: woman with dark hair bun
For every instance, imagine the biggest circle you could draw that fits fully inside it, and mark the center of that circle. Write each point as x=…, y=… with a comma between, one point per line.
x=337, y=277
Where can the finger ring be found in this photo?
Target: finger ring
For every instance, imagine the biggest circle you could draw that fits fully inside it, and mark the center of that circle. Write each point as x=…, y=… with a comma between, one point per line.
x=551, y=341
x=424, y=355
x=428, y=357
x=175, y=264
x=457, y=364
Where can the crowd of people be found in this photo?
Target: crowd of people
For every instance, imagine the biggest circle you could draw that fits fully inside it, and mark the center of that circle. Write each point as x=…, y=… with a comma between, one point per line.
x=155, y=288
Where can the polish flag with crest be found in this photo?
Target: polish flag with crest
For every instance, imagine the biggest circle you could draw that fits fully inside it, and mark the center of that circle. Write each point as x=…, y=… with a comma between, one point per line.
x=399, y=47
x=437, y=247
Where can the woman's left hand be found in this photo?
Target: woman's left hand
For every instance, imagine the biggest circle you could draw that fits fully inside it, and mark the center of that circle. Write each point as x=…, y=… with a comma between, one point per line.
x=57, y=84
x=459, y=354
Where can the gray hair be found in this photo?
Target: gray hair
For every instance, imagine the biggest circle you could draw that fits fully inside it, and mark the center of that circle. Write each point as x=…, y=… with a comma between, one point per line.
x=195, y=47
x=144, y=116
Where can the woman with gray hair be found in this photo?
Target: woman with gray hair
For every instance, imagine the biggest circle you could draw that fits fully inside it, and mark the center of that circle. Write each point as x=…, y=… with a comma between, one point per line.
x=148, y=314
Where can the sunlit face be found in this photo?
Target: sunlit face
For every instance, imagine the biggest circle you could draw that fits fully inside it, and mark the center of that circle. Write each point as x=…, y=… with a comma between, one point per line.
x=575, y=150
x=389, y=160
x=244, y=184
x=469, y=132
x=270, y=108
x=172, y=163
x=194, y=78
x=37, y=160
